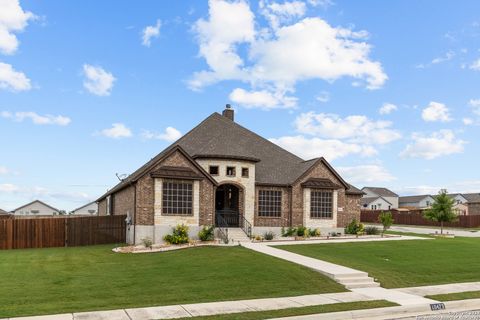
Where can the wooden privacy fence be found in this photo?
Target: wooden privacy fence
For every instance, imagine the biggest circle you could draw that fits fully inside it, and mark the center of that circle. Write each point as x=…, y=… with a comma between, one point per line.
x=415, y=218
x=60, y=232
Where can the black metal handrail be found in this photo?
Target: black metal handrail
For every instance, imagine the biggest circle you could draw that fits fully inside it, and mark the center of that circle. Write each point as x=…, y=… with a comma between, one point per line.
x=231, y=217
x=222, y=227
x=246, y=226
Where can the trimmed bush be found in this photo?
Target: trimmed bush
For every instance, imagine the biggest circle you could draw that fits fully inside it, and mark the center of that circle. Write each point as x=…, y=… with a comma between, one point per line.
x=179, y=235
x=301, y=231
x=289, y=232
x=269, y=235
x=354, y=227
x=147, y=242
x=314, y=232
x=371, y=230
x=207, y=233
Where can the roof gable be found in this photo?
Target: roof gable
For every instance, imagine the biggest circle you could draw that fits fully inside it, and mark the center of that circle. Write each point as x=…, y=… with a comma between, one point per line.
x=380, y=191
x=37, y=201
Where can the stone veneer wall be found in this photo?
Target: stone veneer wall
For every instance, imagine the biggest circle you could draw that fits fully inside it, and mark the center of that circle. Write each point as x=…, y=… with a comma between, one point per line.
x=146, y=189
x=282, y=221
x=246, y=185
x=319, y=171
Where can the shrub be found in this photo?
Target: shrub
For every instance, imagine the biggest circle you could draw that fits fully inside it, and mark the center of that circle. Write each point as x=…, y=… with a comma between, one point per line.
x=301, y=231
x=289, y=232
x=269, y=235
x=386, y=219
x=372, y=230
x=354, y=227
x=258, y=238
x=147, y=242
x=207, y=233
x=314, y=232
x=179, y=235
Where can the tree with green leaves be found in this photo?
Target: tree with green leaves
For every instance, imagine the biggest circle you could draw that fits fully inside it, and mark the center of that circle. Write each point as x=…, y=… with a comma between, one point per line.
x=386, y=219
x=442, y=209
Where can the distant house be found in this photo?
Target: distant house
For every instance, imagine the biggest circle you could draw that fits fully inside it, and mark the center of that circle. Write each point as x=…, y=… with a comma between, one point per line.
x=386, y=198
x=36, y=208
x=375, y=203
x=416, y=202
x=89, y=209
x=458, y=198
x=3, y=212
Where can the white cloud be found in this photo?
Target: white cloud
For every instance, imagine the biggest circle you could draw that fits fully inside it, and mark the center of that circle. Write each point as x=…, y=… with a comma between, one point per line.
x=13, y=80
x=387, y=108
x=278, y=57
x=475, y=65
x=171, y=134
x=262, y=99
x=475, y=104
x=366, y=174
x=278, y=13
x=13, y=19
x=97, y=80
x=467, y=121
x=323, y=97
x=8, y=187
x=436, y=111
x=117, y=131
x=448, y=56
x=4, y=170
x=322, y=3
x=36, y=118
x=331, y=149
x=151, y=32
x=440, y=143
x=355, y=128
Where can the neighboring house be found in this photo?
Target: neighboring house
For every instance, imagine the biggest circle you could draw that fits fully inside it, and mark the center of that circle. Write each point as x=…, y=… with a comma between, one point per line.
x=375, y=203
x=378, y=192
x=3, y=212
x=416, y=202
x=458, y=198
x=89, y=209
x=36, y=208
x=222, y=172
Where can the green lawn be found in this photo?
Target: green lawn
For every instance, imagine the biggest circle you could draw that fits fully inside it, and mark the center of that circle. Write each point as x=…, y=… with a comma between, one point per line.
x=337, y=307
x=46, y=281
x=456, y=296
x=404, y=263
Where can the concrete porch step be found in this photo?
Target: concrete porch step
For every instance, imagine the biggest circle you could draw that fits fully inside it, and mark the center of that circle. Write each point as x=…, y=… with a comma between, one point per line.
x=362, y=285
x=356, y=280
x=237, y=235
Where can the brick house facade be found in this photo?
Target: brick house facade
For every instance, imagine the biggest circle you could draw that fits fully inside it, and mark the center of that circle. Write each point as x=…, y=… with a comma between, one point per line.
x=220, y=170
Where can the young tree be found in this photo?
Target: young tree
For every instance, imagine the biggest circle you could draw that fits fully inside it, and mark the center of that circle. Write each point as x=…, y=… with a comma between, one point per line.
x=386, y=219
x=442, y=209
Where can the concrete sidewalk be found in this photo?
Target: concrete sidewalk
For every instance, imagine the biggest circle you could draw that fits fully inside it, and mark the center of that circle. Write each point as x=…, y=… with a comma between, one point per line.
x=216, y=308
x=431, y=230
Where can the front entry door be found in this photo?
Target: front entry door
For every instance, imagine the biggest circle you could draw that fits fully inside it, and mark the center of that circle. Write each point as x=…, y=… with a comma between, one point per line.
x=227, y=204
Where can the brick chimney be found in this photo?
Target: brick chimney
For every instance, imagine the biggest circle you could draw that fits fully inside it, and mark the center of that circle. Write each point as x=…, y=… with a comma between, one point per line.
x=228, y=112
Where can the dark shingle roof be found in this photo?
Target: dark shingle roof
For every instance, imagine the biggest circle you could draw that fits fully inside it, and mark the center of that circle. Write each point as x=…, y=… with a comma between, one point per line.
x=320, y=183
x=411, y=199
x=472, y=197
x=383, y=192
x=218, y=135
x=176, y=172
x=353, y=190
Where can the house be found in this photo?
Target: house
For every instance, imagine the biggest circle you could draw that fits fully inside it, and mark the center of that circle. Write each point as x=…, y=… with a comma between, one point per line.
x=389, y=199
x=416, y=202
x=36, y=208
x=458, y=198
x=3, y=212
x=89, y=209
x=221, y=173
x=375, y=203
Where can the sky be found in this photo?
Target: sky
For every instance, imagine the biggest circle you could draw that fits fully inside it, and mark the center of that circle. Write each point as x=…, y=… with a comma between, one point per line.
x=387, y=91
